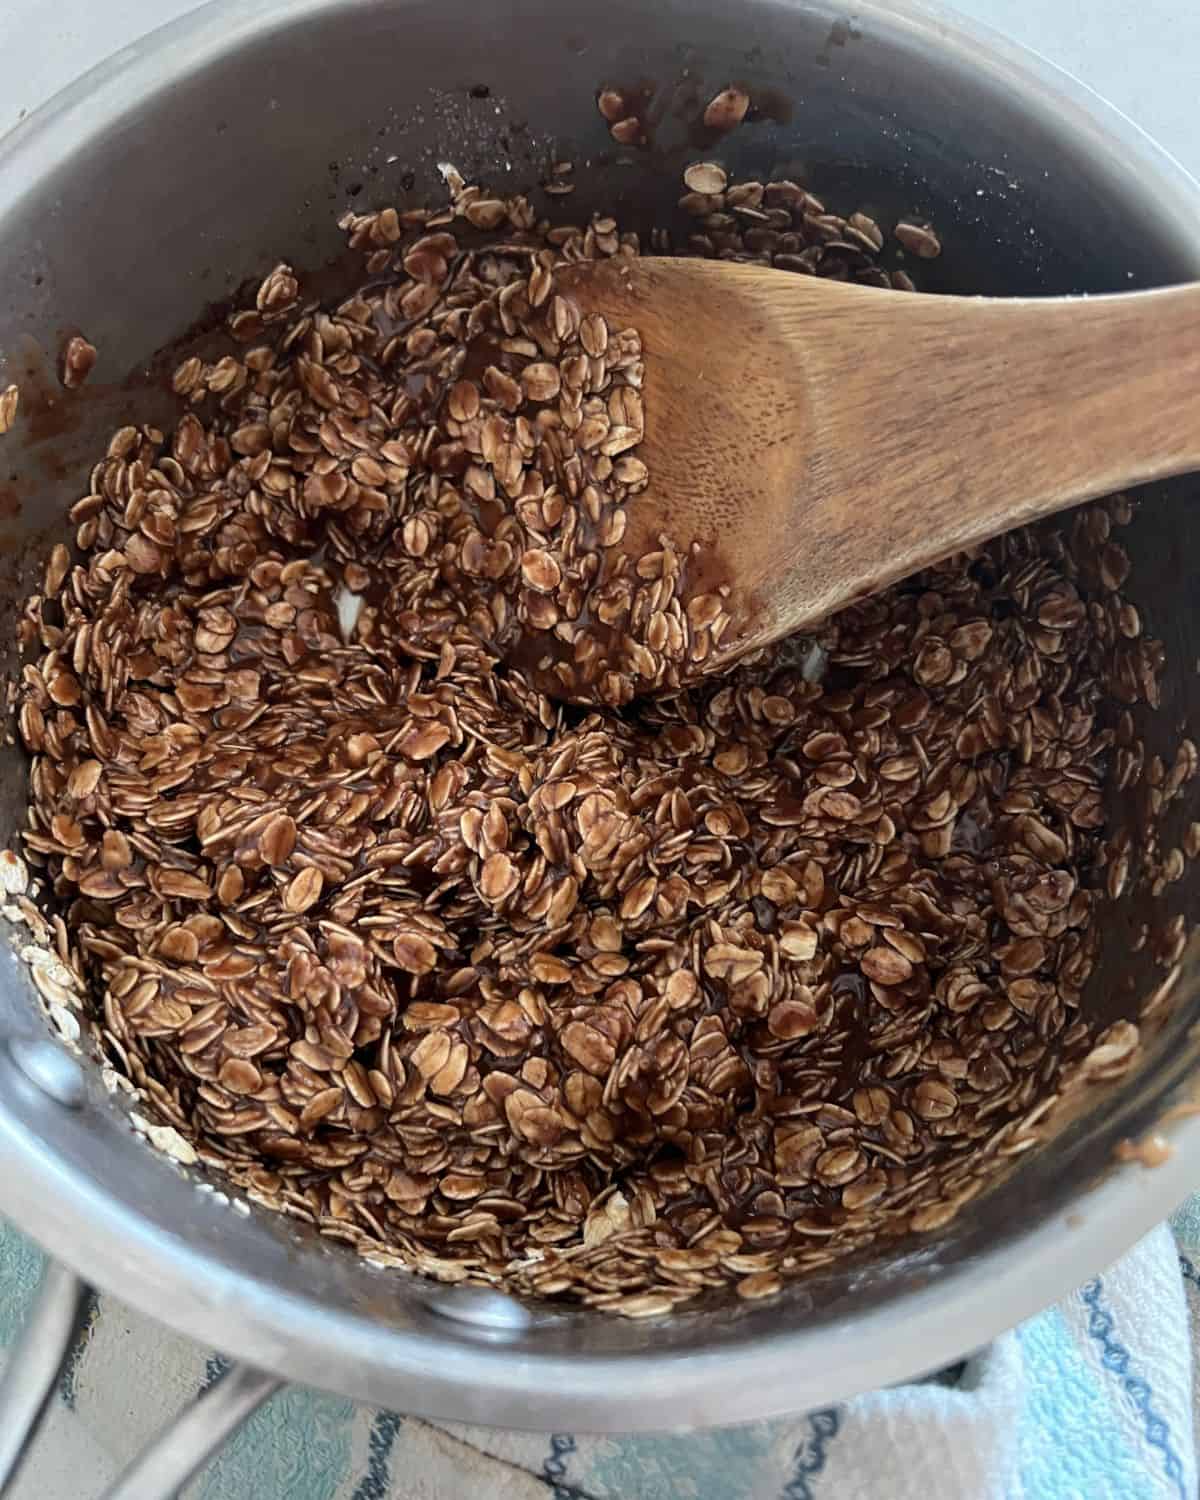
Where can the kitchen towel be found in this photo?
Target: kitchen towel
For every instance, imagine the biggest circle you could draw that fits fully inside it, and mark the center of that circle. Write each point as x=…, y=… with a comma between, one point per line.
x=1092, y=1400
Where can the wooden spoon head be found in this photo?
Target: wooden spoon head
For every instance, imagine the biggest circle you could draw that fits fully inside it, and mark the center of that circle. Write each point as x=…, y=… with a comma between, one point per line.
x=728, y=426
x=817, y=441
x=729, y=442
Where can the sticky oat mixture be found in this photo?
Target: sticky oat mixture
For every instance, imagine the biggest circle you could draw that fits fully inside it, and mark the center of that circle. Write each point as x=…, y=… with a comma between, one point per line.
x=685, y=991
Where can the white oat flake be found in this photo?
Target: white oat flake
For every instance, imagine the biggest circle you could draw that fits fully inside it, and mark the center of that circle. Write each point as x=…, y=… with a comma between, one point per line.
x=14, y=873
x=65, y=1023
x=165, y=1138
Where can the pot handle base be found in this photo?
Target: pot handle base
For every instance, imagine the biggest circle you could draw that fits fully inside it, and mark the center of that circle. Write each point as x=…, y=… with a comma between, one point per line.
x=34, y=1363
x=161, y=1470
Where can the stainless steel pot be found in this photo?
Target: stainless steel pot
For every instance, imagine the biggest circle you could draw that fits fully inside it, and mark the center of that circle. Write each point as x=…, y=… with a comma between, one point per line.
x=196, y=158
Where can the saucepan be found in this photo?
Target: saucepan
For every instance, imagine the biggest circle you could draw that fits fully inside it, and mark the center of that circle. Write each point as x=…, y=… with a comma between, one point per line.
x=194, y=160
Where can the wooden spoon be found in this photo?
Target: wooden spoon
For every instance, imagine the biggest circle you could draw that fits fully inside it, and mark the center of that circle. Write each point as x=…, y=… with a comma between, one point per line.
x=821, y=440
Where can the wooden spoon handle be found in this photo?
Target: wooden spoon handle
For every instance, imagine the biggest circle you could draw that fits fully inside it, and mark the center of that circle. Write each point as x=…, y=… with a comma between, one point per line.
x=1063, y=399
x=998, y=412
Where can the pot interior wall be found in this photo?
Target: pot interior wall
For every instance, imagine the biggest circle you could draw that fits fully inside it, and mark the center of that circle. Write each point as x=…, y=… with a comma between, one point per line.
x=252, y=156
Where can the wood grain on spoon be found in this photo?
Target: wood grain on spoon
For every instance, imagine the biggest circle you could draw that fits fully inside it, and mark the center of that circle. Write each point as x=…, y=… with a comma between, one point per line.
x=820, y=440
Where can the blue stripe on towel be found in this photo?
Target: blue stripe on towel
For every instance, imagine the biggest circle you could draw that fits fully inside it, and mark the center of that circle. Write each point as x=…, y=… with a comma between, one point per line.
x=554, y=1470
x=1069, y=1446
x=68, y=1376
x=1118, y=1361
x=376, y=1483
x=215, y=1366
x=823, y=1427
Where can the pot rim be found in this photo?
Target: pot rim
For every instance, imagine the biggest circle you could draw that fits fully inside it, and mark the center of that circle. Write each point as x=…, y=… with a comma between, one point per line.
x=80, y=1221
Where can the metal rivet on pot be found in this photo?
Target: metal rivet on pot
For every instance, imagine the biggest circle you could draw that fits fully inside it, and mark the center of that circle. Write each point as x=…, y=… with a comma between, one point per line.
x=49, y=1069
x=481, y=1308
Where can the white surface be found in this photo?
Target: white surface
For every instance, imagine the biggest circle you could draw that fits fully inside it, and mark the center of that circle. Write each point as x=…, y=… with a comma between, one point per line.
x=1142, y=55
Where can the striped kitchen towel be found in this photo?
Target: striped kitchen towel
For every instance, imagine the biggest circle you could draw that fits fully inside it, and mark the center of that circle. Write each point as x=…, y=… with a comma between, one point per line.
x=1092, y=1400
